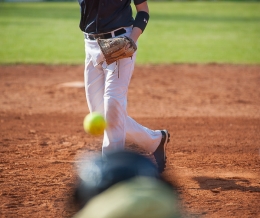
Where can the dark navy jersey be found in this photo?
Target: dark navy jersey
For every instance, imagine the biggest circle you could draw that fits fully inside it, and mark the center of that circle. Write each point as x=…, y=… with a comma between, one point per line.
x=101, y=16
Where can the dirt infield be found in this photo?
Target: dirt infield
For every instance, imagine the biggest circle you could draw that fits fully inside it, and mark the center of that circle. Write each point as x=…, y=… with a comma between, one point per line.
x=212, y=112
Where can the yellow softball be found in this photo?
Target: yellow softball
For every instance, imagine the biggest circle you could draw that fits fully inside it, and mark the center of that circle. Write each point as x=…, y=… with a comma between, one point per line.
x=94, y=123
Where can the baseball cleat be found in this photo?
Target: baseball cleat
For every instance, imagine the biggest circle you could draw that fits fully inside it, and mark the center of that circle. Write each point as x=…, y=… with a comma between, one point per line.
x=160, y=152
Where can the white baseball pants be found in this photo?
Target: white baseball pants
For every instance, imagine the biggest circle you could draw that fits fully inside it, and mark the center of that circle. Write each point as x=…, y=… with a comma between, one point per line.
x=106, y=92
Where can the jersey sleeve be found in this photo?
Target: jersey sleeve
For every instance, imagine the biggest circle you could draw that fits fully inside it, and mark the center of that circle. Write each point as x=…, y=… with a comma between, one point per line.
x=137, y=2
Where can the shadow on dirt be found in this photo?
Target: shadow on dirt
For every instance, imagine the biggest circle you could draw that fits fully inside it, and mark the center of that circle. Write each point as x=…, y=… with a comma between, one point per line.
x=225, y=184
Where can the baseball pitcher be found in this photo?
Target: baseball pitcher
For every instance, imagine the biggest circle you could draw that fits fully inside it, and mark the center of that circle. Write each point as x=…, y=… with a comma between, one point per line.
x=111, y=34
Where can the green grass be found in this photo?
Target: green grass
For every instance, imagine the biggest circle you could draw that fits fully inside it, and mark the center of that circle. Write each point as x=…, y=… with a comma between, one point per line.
x=178, y=32
x=204, y=32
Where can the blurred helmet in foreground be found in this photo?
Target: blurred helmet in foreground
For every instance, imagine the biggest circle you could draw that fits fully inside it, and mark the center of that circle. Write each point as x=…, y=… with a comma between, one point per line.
x=138, y=197
x=123, y=184
x=100, y=173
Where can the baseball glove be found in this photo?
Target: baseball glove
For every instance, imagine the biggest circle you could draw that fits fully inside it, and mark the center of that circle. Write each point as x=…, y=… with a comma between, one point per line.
x=117, y=48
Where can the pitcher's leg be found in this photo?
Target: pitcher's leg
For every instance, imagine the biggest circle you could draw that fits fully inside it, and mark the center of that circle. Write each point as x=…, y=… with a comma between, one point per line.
x=121, y=126
x=142, y=136
x=117, y=79
x=94, y=87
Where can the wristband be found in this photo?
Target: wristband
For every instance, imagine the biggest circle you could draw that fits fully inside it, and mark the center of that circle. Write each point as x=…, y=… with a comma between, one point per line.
x=141, y=20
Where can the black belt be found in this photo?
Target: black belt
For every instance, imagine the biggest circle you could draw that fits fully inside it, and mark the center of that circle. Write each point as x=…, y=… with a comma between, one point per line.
x=105, y=35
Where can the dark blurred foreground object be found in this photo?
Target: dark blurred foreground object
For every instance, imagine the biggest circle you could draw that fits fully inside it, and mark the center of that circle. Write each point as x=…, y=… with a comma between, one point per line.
x=139, y=197
x=126, y=185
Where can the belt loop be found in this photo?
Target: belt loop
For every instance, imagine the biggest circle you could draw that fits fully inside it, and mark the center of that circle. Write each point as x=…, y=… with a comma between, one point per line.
x=113, y=33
